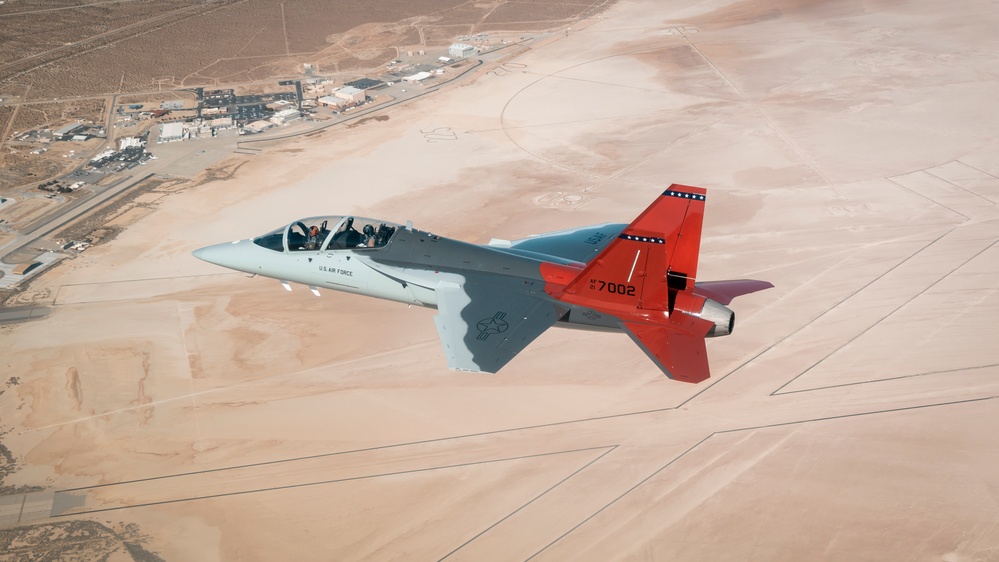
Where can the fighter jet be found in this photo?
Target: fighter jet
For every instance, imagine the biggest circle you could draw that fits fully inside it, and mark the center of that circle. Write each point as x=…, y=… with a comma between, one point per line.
x=493, y=300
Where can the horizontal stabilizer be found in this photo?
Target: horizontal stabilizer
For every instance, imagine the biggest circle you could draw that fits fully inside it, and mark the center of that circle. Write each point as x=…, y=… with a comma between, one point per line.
x=680, y=353
x=724, y=291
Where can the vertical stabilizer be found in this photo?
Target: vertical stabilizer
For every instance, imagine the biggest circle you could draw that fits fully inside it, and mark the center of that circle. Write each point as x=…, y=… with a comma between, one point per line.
x=656, y=255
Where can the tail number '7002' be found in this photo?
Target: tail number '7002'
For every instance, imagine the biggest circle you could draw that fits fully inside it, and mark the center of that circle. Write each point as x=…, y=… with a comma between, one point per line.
x=615, y=288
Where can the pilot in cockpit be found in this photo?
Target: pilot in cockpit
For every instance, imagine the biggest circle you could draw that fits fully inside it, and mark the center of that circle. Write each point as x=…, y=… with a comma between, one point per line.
x=368, y=239
x=313, y=239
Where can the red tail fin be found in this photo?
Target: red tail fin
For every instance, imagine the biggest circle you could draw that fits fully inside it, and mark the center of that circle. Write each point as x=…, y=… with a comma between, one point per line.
x=657, y=252
x=645, y=279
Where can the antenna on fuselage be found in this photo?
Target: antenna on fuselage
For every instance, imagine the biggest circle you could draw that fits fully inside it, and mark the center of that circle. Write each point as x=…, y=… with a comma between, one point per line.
x=409, y=225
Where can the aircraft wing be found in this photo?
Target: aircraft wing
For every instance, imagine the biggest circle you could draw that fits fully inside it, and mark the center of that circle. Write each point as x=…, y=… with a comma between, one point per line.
x=484, y=324
x=578, y=244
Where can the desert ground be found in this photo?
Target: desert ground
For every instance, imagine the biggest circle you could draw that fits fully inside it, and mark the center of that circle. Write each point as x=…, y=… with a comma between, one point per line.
x=170, y=409
x=73, y=61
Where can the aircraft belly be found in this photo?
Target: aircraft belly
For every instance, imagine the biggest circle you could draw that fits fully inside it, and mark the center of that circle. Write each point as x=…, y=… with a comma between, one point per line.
x=586, y=327
x=580, y=318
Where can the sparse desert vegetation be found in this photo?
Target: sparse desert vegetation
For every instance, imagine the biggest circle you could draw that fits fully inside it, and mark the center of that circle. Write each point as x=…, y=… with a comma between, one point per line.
x=76, y=56
x=143, y=46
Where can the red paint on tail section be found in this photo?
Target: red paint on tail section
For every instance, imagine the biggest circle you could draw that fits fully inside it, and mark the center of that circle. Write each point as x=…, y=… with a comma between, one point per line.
x=724, y=291
x=654, y=256
x=681, y=354
x=645, y=279
x=676, y=217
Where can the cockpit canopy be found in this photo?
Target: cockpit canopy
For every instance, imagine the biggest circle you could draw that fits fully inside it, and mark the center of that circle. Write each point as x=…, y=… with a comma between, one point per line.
x=329, y=234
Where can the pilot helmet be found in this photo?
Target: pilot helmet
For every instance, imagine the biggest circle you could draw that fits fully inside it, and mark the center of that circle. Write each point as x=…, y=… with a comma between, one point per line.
x=369, y=230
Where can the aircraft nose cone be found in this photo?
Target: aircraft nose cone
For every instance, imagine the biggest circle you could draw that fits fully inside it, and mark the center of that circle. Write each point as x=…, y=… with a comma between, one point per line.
x=209, y=254
x=227, y=255
x=200, y=253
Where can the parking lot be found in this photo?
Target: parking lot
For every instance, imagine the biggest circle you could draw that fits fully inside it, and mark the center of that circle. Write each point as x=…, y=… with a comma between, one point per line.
x=248, y=108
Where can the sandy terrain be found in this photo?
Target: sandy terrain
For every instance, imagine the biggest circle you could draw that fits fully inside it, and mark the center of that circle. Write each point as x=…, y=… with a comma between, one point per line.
x=168, y=406
x=105, y=48
x=76, y=57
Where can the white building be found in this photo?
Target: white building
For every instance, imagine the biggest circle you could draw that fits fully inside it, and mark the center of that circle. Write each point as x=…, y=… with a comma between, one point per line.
x=129, y=142
x=285, y=115
x=351, y=94
x=331, y=101
x=107, y=152
x=460, y=50
x=171, y=132
x=65, y=131
x=418, y=77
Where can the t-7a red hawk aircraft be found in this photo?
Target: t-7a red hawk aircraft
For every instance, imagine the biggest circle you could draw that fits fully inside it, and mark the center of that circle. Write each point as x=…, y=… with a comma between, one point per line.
x=493, y=300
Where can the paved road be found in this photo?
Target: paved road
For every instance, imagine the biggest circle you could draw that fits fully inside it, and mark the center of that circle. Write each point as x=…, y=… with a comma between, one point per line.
x=72, y=211
x=21, y=313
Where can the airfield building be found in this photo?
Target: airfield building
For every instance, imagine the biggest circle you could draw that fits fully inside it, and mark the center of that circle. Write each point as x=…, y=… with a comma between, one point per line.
x=285, y=115
x=127, y=142
x=258, y=126
x=460, y=50
x=331, y=101
x=221, y=123
x=67, y=132
x=278, y=105
x=171, y=132
x=351, y=94
x=418, y=77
